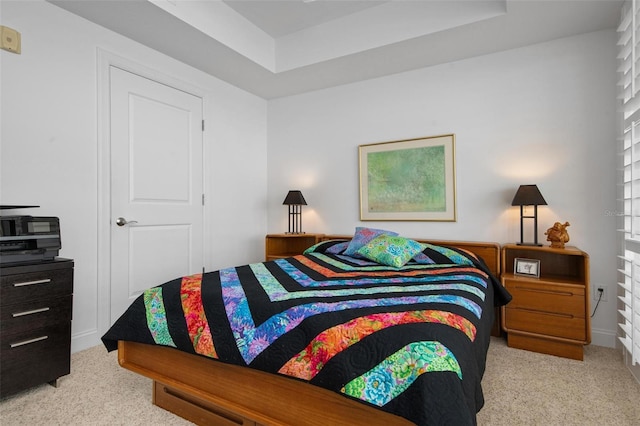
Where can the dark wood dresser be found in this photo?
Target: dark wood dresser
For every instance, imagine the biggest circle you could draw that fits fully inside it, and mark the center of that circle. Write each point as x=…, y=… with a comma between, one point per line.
x=35, y=323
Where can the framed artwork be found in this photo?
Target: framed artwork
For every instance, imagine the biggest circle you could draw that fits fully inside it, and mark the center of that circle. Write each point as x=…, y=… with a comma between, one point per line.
x=413, y=179
x=526, y=267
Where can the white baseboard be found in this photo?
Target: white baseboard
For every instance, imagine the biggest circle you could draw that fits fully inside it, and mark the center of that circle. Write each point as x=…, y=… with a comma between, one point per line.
x=85, y=340
x=606, y=338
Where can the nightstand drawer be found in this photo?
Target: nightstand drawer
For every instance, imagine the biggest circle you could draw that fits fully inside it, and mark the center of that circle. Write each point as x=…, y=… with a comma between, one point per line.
x=21, y=317
x=540, y=296
x=547, y=323
x=36, y=285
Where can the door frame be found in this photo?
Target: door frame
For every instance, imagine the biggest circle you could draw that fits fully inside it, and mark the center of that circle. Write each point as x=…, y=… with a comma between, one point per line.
x=105, y=60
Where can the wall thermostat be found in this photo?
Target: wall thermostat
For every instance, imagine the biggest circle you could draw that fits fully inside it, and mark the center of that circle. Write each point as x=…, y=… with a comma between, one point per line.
x=9, y=39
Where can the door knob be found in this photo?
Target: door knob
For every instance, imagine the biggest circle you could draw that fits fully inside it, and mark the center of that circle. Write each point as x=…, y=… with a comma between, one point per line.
x=121, y=221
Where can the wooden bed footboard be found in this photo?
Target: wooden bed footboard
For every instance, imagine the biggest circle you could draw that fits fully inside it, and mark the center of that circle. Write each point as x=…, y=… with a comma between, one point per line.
x=209, y=392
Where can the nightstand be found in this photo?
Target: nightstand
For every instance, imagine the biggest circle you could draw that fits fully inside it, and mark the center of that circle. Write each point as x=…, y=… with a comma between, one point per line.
x=278, y=246
x=549, y=313
x=35, y=323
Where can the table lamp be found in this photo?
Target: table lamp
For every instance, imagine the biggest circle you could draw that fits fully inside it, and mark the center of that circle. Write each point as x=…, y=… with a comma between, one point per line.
x=295, y=201
x=529, y=195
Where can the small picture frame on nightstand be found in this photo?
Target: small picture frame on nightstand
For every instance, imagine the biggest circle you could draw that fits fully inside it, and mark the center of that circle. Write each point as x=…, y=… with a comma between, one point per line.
x=526, y=267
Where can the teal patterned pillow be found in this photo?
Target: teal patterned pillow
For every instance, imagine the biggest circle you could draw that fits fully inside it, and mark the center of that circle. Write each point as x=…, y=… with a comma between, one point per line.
x=391, y=250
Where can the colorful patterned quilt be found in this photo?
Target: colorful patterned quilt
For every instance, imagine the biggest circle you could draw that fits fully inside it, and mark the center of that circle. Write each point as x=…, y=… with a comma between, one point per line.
x=411, y=340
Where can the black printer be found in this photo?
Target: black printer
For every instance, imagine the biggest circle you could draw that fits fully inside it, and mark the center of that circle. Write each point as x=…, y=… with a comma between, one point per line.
x=29, y=238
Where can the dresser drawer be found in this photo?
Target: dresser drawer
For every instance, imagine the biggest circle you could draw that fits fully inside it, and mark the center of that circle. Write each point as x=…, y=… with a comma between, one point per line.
x=547, y=323
x=37, y=357
x=546, y=308
x=545, y=297
x=35, y=285
x=21, y=317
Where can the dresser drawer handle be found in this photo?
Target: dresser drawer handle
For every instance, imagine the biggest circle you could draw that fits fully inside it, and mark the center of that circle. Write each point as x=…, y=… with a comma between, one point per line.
x=28, y=342
x=539, y=290
x=48, y=280
x=553, y=314
x=34, y=311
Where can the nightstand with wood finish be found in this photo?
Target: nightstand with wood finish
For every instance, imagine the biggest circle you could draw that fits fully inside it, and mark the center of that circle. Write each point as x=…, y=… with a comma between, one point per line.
x=278, y=246
x=35, y=323
x=549, y=313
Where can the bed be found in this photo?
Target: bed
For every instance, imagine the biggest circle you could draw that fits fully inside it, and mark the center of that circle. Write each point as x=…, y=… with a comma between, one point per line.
x=322, y=338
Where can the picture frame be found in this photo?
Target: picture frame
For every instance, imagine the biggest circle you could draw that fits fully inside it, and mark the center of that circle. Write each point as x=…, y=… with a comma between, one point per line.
x=408, y=180
x=526, y=267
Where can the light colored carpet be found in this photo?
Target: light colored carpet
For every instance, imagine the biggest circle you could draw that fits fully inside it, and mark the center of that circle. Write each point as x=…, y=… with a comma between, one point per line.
x=521, y=388
x=528, y=388
x=97, y=392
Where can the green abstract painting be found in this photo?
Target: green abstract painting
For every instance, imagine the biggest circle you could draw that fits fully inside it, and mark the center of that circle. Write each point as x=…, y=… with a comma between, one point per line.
x=411, y=179
x=408, y=180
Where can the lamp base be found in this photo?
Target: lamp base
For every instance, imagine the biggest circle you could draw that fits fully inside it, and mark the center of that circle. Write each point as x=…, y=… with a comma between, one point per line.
x=295, y=233
x=529, y=244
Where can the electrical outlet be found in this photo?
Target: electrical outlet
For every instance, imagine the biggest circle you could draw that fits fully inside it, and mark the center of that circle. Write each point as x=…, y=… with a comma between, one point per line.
x=596, y=293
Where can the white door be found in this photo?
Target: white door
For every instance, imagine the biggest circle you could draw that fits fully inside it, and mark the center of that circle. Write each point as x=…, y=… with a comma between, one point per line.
x=156, y=186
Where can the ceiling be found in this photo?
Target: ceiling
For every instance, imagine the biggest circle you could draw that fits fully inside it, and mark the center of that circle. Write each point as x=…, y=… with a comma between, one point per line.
x=276, y=48
x=282, y=17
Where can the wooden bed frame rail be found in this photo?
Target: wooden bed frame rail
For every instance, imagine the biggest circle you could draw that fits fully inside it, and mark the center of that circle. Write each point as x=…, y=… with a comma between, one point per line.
x=209, y=392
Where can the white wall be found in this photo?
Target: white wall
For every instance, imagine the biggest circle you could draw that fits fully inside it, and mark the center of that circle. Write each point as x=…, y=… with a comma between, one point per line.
x=543, y=114
x=49, y=152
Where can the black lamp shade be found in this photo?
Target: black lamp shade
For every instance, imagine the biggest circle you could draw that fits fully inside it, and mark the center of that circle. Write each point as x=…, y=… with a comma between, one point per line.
x=528, y=195
x=294, y=198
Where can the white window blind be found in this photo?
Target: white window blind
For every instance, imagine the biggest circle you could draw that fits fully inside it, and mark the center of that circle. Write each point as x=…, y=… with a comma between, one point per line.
x=629, y=178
